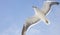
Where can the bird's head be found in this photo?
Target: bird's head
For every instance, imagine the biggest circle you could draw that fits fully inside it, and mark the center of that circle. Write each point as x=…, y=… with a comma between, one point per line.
x=34, y=7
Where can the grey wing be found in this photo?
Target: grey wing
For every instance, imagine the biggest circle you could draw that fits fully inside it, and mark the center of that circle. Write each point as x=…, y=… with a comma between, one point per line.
x=47, y=6
x=30, y=21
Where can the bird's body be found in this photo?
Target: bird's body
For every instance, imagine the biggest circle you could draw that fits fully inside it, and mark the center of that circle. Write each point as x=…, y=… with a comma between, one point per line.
x=40, y=14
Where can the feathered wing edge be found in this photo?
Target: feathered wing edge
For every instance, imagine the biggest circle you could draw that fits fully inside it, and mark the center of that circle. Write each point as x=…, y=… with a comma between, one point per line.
x=24, y=29
x=47, y=5
x=29, y=23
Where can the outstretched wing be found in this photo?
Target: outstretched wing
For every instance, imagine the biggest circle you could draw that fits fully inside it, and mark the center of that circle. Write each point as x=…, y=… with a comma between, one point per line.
x=47, y=6
x=34, y=19
x=29, y=21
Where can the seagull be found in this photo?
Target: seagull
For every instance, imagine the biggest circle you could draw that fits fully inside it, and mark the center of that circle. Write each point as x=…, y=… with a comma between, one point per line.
x=40, y=14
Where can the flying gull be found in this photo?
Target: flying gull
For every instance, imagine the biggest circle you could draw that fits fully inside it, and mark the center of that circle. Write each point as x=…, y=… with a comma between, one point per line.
x=40, y=14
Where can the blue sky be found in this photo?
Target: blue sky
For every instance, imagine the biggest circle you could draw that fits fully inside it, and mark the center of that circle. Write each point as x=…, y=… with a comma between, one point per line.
x=13, y=14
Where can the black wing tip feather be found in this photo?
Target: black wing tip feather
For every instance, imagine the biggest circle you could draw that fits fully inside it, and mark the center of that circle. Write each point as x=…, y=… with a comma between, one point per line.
x=57, y=3
x=23, y=31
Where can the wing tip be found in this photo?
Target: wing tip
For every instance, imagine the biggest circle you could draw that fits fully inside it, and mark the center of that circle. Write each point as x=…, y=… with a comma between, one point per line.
x=58, y=3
